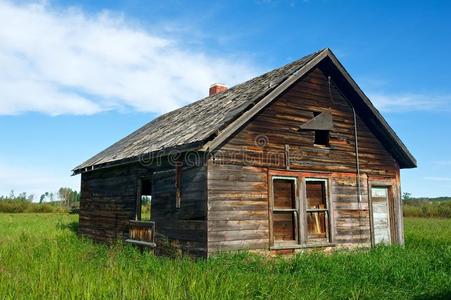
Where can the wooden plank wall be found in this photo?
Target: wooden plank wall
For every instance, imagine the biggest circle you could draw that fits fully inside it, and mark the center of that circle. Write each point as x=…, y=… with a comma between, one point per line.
x=352, y=219
x=237, y=207
x=237, y=173
x=108, y=202
x=279, y=124
x=186, y=225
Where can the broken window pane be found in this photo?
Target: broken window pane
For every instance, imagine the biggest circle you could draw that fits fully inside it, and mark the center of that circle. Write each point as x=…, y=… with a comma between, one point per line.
x=316, y=223
x=317, y=210
x=316, y=194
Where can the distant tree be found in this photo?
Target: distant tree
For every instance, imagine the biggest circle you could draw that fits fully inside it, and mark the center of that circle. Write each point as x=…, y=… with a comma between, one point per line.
x=68, y=196
x=407, y=196
x=75, y=196
x=44, y=197
x=145, y=200
x=63, y=195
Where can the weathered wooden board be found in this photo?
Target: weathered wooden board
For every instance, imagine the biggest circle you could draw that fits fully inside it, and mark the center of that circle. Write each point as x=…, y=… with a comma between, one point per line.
x=238, y=191
x=108, y=202
x=262, y=141
x=238, y=207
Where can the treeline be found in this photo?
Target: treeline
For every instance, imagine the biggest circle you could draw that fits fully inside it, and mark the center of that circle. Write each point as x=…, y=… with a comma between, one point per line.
x=427, y=209
x=407, y=197
x=424, y=207
x=64, y=200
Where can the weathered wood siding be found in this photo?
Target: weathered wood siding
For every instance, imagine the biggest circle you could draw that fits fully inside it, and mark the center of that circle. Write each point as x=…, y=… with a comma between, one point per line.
x=279, y=124
x=352, y=224
x=237, y=174
x=187, y=225
x=108, y=202
x=237, y=207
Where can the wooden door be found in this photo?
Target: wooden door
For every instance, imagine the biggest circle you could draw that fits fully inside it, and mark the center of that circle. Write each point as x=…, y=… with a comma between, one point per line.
x=380, y=208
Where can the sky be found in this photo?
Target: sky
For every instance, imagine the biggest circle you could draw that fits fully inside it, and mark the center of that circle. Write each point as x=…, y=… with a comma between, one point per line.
x=76, y=76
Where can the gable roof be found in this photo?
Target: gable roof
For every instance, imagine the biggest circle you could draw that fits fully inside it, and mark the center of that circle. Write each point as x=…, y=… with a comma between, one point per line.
x=205, y=124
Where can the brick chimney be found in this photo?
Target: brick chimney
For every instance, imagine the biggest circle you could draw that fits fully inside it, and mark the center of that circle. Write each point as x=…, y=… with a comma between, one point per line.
x=217, y=88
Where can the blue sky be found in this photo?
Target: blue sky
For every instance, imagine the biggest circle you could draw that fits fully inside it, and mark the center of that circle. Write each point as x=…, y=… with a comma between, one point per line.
x=75, y=76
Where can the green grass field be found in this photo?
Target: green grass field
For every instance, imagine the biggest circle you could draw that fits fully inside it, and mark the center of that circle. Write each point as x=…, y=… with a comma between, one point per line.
x=42, y=258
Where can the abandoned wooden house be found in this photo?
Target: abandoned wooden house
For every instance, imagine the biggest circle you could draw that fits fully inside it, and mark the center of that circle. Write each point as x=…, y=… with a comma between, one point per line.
x=293, y=159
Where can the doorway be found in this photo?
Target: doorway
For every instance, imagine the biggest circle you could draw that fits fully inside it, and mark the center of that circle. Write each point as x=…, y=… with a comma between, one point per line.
x=380, y=208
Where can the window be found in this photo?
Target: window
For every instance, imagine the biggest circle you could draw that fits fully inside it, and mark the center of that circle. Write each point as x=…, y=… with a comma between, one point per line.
x=284, y=210
x=143, y=200
x=321, y=124
x=299, y=220
x=317, y=212
x=322, y=138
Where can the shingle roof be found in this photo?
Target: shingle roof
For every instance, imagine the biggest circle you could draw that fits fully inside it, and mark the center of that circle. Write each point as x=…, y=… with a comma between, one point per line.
x=197, y=121
x=209, y=121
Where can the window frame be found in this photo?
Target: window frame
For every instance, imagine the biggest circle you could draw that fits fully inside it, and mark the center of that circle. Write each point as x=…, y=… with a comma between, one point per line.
x=301, y=204
x=295, y=211
x=318, y=132
x=310, y=210
x=139, y=194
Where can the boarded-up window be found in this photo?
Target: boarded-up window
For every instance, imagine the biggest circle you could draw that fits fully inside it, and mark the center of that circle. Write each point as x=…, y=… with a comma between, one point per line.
x=317, y=210
x=284, y=210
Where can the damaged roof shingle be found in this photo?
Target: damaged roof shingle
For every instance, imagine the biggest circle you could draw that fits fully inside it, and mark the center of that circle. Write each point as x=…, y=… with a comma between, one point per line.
x=196, y=122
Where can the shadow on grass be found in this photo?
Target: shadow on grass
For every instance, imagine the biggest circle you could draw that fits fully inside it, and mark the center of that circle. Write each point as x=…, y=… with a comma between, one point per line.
x=439, y=296
x=72, y=226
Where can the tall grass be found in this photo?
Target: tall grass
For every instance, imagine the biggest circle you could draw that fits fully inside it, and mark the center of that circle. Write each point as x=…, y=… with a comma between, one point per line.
x=427, y=209
x=42, y=258
x=23, y=206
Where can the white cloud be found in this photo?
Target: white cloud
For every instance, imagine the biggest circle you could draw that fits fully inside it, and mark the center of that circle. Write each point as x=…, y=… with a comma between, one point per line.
x=409, y=102
x=68, y=62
